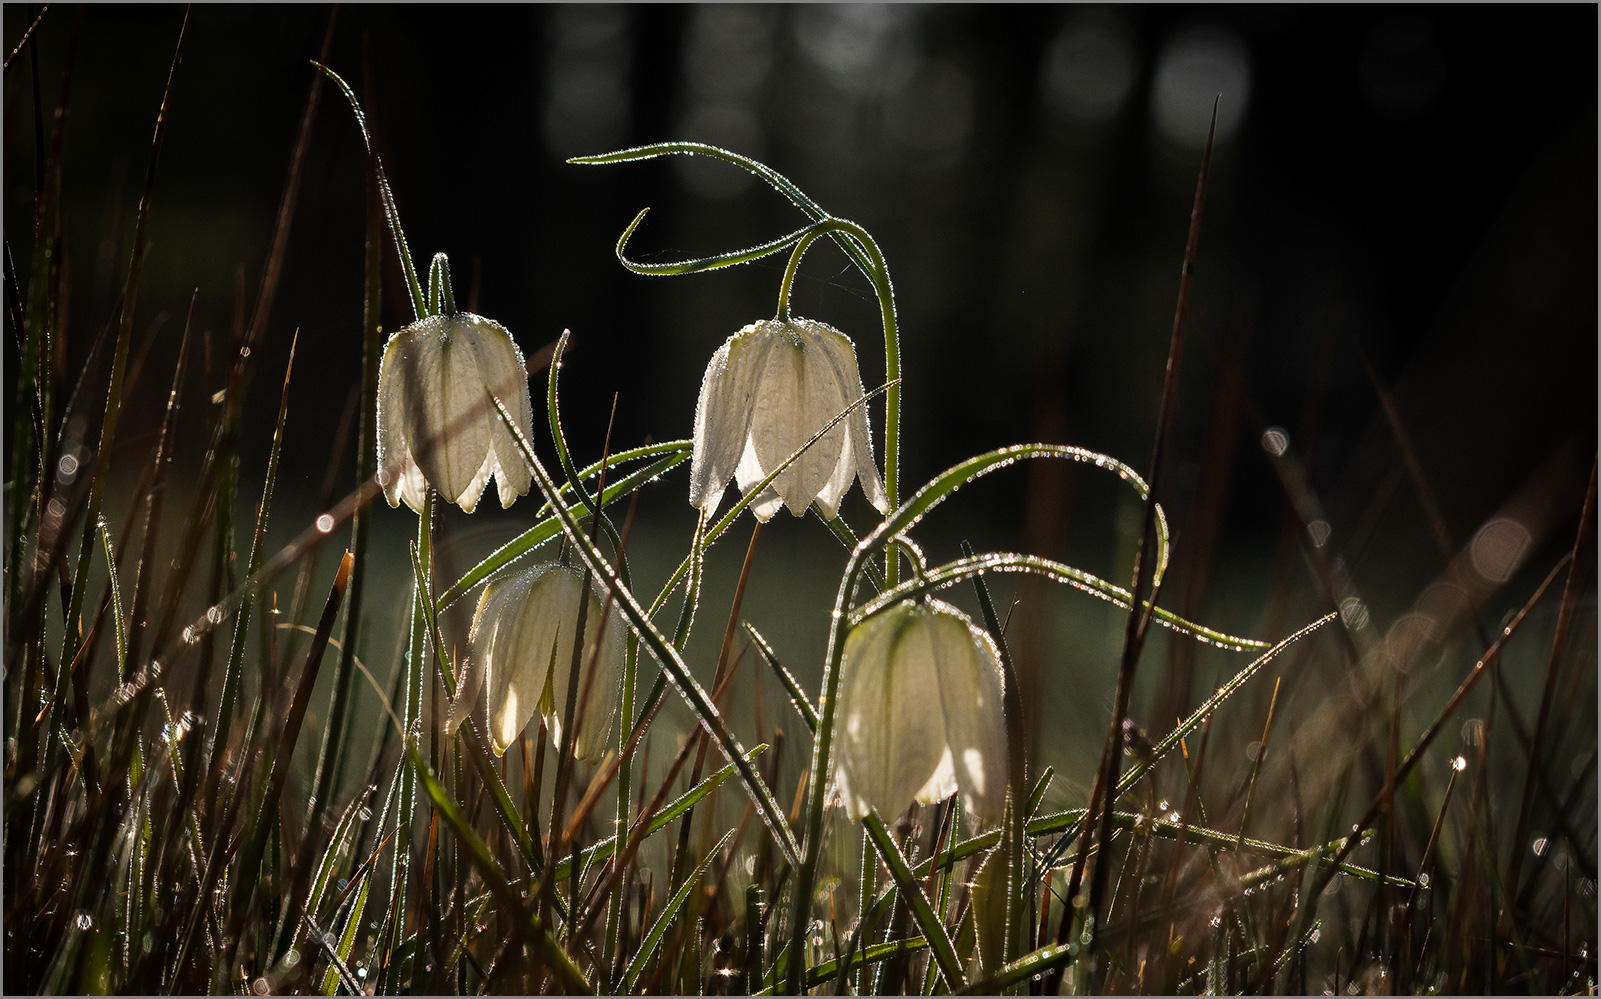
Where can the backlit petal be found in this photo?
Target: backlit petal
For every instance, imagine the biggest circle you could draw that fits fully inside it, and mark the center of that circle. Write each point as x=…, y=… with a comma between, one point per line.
x=889, y=745
x=393, y=454
x=720, y=424
x=969, y=686
x=843, y=355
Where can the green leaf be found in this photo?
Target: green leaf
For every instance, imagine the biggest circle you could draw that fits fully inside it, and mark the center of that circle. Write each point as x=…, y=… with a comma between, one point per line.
x=338, y=964
x=653, y=939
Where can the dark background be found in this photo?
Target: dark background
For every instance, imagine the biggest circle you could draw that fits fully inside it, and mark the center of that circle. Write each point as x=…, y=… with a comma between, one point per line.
x=1415, y=187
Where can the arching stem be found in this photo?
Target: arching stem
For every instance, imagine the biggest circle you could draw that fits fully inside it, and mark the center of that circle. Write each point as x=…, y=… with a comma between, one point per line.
x=877, y=272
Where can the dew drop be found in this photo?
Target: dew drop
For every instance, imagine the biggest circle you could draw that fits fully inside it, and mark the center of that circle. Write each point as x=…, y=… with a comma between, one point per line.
x=325, y=523
x=259, y=986
x=84, y=921
x=214, y=615
x=365, y=814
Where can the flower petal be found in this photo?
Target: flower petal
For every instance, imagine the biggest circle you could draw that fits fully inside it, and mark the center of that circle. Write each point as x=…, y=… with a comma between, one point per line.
x=970, y=694
x=797, y=389
x=841, y=352
x=502, y=371
x=748, y=473
x=517, y=653
x=889, y=746
x=393, y=454
x=721, y=421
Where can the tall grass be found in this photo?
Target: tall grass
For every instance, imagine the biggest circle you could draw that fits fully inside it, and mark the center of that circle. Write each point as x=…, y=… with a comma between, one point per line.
x=187, y=809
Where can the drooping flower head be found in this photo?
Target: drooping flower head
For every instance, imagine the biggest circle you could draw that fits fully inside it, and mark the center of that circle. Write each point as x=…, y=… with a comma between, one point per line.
x=522, y=641
x=920, y=713
x=767, y=391
x=435, y=424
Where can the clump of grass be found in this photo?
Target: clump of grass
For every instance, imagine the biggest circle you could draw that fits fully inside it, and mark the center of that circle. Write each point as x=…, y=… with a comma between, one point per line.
x=157, y=700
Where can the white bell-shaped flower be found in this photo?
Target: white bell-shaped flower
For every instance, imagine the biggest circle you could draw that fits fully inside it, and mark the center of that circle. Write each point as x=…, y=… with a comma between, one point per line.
x=767, y=391
x=522, y=641
x=920, y=713
x=435, y=424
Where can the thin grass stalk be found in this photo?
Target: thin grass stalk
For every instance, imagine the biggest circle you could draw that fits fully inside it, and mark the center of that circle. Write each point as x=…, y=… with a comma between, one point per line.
x=218, y=737
x=653, y=938
x=912, y=892
x=279, y=756
x=1016, y=772
x=644, y=824
x=680, y=856
x=1570, y=592
x=1134, y=635
x=1256, y=765
x=625, y=758
x=1490, y=657
x=113, y=409
x=331, y=753
x=411, y=696
x=526, y=923
x=31, y=432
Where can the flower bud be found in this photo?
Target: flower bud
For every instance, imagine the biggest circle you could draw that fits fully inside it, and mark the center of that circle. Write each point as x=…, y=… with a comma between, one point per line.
x=768, y=389
x=435, y=424
x=522, y=642
x=920, y=713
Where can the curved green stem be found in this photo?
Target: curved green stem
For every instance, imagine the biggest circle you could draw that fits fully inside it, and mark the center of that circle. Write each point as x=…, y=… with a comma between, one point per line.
x=716, y=261
x=967, y=568
x=801, y=246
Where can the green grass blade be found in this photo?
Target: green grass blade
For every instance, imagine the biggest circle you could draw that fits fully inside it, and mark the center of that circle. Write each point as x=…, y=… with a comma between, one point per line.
x=820, y=974
x=281, y=752
x=1021, y=970
x=419, y=301
x=337, y=844
x=848, y=538
x=932, y=926
x=101, y=466
x=1038, y=794
x=526, y=922
x=118, y=623
x=339, y=959
x=683, y=803
x=716, y=261
x=218, y=739
x=776, y=180
x=653, y=938
x=797, y=696
x=672, y=453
